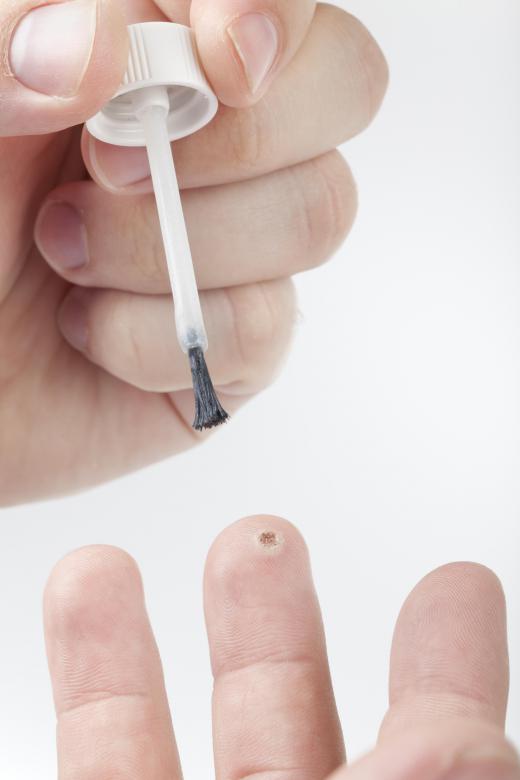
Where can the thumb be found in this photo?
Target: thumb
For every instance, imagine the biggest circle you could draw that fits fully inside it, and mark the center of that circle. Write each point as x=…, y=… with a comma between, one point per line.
x=243, y=44
x=60, y=62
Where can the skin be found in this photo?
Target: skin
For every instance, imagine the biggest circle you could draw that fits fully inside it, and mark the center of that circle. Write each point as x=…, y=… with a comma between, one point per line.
x=274, y=714
x=92, y=382
x=274, y=199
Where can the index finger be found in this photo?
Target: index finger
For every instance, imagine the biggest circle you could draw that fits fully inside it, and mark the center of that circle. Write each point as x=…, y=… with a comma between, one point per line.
x=448, y=685
x=243, y=44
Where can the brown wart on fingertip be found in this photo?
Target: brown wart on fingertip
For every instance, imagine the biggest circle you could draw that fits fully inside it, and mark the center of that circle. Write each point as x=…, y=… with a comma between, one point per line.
x=270, y=539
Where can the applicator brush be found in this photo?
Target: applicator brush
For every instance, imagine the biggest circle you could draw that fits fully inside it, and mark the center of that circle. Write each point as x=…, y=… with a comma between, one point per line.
x=165, y=96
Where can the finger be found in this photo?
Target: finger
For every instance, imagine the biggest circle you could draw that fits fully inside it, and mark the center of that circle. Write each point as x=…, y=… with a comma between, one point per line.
x=177, y=11
x=132, y=336
x=62, y=61
x=329, y=92
x=273, y=706
x=244, y=43
x=113, y=716
x=271, y=227
x=449, y=655
x=448, y=685
x=446, y=751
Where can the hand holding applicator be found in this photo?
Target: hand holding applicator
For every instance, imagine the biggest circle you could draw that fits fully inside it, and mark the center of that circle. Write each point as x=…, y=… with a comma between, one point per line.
x=165, y=96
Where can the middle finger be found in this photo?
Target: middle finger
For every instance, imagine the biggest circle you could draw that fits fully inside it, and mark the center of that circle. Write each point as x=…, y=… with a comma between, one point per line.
x=268, y=228
x=273, y=706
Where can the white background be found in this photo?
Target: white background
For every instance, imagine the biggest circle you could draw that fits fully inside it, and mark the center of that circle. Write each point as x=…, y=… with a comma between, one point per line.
x=392, y=439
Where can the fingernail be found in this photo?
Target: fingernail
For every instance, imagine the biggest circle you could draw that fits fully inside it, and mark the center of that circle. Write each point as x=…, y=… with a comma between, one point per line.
x=482, y=762
x=72, y=319
x=255, y=39
x=51, y=46
x=61, y=236
x=117, y=168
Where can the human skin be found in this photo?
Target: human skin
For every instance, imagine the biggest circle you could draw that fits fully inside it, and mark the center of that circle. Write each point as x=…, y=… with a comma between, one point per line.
x=92, y=381
x=274, y=714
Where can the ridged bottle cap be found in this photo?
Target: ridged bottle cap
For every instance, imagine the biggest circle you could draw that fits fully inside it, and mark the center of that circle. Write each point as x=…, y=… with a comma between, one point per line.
x=161, y=54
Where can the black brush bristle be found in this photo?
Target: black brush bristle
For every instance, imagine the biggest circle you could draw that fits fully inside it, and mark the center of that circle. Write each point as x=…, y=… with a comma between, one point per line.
x=208, y=410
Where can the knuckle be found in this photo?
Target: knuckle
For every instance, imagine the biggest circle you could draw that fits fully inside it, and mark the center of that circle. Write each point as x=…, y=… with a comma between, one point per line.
x=374, y=68
x=146, y=253
x=263, y=320
x=115, y=340
x=360, y=55
x=328, y=208
x=249, y=137
x=133, y=360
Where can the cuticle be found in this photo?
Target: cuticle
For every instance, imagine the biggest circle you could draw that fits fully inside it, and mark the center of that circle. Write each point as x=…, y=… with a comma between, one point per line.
x=274, y=21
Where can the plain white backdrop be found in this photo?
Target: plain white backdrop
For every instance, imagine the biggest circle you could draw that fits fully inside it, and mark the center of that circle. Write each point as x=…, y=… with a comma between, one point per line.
x=393, y=437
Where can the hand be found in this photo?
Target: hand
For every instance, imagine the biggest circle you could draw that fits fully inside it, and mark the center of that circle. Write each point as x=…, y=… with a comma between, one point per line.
x=273, y=706
x=92, y=382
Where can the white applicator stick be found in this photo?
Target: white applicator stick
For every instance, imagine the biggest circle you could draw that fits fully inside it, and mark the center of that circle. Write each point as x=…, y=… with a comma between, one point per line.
x=165, y=96
x=152, y=107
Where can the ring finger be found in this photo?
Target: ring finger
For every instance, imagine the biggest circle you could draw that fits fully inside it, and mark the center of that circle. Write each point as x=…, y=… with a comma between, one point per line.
x=132, y=337
x=113, y=715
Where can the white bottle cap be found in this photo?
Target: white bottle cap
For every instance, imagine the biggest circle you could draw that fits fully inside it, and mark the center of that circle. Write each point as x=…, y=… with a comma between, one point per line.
x=161, y=54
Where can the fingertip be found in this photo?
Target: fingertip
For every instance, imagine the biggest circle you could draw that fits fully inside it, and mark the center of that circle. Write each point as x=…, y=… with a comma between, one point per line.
x=472, y=585
x=373, y=64
x=253, y=542
x=88, y=587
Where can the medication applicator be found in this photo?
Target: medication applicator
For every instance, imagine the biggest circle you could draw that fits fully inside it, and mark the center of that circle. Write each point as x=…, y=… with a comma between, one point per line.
x=165, y=96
